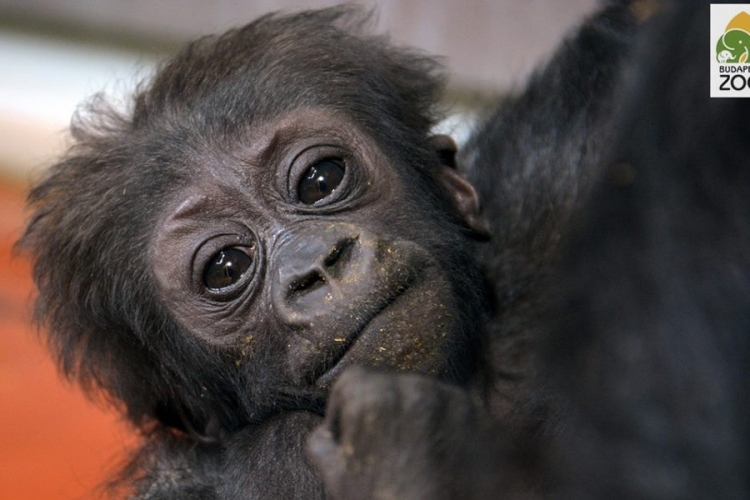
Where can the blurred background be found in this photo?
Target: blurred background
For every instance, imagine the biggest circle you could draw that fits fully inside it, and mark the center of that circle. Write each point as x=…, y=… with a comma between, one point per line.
x=54, y=54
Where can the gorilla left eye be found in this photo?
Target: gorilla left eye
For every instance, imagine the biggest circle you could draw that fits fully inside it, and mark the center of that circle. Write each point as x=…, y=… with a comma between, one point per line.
x=320, y=180
x=226, y=267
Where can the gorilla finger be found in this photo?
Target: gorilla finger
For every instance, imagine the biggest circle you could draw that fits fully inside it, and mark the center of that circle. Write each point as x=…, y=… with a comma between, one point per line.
x=325, y=453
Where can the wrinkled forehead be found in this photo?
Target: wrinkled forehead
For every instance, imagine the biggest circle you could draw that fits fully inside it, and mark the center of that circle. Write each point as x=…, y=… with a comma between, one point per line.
x=194, y=149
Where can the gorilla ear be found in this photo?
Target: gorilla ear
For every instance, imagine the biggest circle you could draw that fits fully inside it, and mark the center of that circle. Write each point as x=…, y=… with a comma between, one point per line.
x=462, y=193
x=446, y=149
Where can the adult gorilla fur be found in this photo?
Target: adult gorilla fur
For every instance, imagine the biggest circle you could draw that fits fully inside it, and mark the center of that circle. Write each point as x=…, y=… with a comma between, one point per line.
x=653, y=349
x=644, y=347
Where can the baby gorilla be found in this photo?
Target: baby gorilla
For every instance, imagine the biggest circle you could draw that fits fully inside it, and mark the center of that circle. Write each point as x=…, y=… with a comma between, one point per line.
x=273, y=211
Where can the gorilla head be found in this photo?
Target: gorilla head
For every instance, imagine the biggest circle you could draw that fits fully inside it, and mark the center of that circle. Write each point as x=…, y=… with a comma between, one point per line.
x=272, y=210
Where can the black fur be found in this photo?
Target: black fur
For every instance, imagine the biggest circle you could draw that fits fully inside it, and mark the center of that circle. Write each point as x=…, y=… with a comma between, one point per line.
x=652, y=351
x=623, y=261
x=533, y=162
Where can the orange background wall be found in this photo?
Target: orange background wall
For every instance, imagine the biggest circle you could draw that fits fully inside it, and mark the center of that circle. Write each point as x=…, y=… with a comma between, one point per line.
x=54, y=444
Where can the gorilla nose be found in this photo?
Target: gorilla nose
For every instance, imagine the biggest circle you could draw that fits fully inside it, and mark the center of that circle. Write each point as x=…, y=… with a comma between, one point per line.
x=314, y=269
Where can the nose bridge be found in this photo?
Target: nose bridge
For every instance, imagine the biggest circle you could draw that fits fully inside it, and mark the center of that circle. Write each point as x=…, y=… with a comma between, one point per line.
x=300, y=254
x=312, y=246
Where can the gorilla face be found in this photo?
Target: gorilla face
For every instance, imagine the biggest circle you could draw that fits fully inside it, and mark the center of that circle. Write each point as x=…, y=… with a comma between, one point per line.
x=303, y=249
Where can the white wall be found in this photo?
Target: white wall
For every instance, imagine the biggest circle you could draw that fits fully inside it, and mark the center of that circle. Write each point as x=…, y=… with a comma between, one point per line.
x=487, y=45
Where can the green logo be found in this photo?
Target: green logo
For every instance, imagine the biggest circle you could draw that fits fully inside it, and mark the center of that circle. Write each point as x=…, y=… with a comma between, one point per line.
x=734, y=45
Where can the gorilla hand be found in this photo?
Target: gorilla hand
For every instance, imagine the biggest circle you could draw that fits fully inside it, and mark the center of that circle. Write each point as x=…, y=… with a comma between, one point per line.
x=403, y=436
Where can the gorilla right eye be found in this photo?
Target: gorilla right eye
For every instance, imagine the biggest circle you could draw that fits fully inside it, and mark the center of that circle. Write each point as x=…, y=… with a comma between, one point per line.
x=320, y=180
x=226, y=267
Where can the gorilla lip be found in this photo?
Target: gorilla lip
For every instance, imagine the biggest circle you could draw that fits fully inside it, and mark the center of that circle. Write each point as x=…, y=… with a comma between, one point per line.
x=338, y=362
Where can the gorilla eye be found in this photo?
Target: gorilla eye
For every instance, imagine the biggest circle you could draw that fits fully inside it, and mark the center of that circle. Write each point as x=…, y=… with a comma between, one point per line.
x=320, y=180
x=226, y=267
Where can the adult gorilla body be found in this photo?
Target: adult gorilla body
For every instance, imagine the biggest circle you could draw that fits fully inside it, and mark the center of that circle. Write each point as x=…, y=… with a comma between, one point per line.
x=642, y=326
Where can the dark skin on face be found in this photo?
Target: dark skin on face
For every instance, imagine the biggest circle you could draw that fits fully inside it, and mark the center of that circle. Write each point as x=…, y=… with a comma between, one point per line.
x=309, y=254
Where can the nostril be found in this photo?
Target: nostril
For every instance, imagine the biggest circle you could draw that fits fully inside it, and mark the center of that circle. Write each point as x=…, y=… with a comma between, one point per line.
x=307, y=283
x=339, y=252
x=315, y=267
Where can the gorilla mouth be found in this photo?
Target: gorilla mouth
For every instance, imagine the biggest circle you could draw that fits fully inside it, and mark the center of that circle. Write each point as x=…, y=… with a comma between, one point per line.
x=339, y=361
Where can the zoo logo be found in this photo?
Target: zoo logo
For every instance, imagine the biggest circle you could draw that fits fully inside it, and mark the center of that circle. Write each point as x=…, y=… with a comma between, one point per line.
x=734, y=44
x=730, y=50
